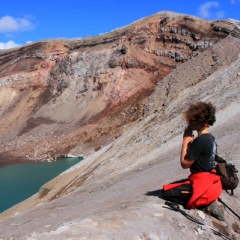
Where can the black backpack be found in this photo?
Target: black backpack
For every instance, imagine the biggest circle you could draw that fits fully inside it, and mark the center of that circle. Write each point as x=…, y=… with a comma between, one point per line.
x=227, y=173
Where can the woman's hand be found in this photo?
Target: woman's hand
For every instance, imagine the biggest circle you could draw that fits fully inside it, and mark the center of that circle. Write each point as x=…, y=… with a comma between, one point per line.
x=188, y=132
x=187, y=139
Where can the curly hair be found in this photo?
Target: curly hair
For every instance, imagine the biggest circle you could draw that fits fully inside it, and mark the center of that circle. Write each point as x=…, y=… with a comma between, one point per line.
x=200, y=113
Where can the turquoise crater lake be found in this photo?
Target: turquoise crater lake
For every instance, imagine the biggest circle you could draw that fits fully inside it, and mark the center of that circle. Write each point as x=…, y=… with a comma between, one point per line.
x=20, y=181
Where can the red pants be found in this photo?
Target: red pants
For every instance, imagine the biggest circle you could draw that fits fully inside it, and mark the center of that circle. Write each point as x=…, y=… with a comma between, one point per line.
x=206, y=188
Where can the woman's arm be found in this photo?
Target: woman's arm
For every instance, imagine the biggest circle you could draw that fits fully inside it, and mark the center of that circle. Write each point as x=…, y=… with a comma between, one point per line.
x=187, y=139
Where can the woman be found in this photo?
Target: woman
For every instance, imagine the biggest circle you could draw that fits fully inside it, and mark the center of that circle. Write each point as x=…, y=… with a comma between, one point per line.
x=203, y=186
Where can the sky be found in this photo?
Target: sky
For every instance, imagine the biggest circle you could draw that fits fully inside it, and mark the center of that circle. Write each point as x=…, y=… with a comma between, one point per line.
x=25, y=21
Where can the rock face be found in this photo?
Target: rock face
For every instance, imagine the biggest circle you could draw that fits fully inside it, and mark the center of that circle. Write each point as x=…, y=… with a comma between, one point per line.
x=117, y=99
x=74, y=97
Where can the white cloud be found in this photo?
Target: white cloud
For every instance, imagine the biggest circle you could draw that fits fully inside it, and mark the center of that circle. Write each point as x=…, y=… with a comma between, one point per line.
x=220, y=14
x=204, y=9
x=9, y=24
x=9, y=44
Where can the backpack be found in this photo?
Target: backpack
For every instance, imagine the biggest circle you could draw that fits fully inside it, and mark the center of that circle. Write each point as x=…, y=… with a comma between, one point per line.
x=227, y=173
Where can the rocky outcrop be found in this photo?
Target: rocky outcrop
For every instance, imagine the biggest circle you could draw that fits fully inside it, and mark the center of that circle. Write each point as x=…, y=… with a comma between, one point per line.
x=59, y=97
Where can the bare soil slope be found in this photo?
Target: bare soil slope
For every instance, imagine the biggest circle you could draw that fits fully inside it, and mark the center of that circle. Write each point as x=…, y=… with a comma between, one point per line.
x=104, y=196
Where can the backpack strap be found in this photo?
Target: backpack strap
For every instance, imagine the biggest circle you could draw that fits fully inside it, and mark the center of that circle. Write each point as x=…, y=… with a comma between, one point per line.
x=231, y=194
x=219, y=159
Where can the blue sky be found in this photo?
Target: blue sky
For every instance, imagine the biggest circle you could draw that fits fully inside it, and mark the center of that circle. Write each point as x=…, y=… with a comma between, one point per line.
x=33, y=20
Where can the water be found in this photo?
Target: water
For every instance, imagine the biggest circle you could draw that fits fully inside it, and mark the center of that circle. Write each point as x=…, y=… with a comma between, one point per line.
x=20, y=181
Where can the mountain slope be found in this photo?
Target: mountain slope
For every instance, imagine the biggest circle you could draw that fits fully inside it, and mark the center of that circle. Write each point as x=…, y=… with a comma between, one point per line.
x=104, y=196
x=74, y=97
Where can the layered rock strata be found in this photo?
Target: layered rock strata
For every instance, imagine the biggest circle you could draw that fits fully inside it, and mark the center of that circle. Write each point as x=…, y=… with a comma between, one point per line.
x=64, y=97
